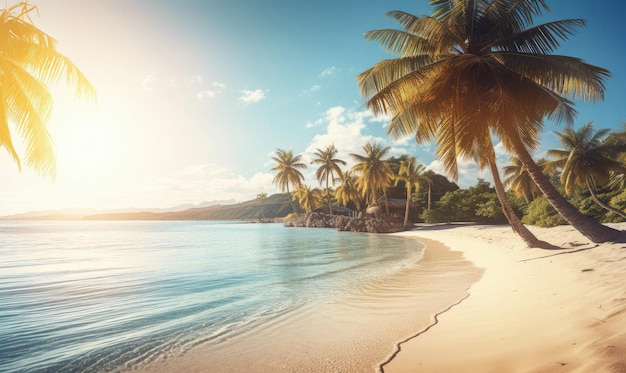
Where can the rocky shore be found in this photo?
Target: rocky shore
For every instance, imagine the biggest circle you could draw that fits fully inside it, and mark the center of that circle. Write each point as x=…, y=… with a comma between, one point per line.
x=345, y=223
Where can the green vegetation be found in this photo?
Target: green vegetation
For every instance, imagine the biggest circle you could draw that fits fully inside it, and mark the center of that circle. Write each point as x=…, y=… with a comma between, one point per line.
x=476, y=69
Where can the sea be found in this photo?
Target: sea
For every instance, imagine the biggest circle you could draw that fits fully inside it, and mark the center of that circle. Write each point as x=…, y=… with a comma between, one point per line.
x=91, y=296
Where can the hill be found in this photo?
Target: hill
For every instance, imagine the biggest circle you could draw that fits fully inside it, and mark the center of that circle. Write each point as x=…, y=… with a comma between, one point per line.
x=275, y=206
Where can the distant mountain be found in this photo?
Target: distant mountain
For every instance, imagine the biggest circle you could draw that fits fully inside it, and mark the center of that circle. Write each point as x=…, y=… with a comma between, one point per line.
x=275, y=206
x=79, y=213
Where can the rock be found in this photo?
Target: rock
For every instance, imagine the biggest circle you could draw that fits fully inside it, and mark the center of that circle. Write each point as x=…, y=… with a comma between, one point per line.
x=345, y=223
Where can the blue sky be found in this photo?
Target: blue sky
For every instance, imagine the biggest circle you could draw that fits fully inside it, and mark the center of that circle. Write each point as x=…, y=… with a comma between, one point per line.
x=194, y=96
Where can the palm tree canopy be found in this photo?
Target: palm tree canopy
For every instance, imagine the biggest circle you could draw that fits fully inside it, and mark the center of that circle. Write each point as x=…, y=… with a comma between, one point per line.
x=517, y=178
x=412, y=173
x=29, y=60
x=287, y=169
x=475, y=67
x=374, y=171
x=585, y=158
x=306, y=197
x=329, y=165
x=348, y=191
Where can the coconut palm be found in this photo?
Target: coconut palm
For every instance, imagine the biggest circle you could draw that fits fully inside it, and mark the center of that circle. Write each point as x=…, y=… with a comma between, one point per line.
x=29, y=61
x=517, y=178
x=306, y=197
x=480, y=68
x=586, y=161
x=411, y=173
x=617, y=140
x=329, y=166
x=374, y=172
x=347, y=191
x=287, y=170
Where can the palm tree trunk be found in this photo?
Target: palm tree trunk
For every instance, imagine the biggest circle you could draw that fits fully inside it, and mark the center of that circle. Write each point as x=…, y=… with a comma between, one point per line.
x=428, y=197
x=406, y=210
x=330, y=208
x=590, y=228
x=386, y=203
x=602, y=204
x=529, y=238
x=293, y=207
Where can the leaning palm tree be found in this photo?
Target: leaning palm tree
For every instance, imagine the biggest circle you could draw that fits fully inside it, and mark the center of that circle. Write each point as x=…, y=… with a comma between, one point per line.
x=29, y=61
x=480, y=67
x=411, y=173
x=586, y=161
x=374, y=172
x=347, y=191
x=329, y=166
x=517, y=179
x=287, y=171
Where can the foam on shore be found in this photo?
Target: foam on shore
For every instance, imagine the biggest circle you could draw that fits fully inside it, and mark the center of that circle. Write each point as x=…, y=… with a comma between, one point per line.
x=353, y=332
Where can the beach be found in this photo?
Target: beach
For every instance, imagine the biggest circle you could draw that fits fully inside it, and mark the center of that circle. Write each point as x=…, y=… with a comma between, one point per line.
x=533, y=310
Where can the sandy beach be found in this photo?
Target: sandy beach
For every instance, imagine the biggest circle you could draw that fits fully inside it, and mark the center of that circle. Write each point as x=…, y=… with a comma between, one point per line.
x=478, y=301
x=533, y=310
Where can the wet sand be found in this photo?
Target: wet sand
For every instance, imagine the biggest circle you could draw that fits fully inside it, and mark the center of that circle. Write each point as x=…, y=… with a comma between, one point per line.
x=353, y=332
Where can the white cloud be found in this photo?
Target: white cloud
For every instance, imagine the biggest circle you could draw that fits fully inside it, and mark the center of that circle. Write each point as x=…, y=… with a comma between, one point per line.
x=314, y=88
x=469, y=172
x=345, y=129
x=328, y=71
x=220, y=86
x=205, y=94
x=210, y=93
x=250, y=97
x=148, y=82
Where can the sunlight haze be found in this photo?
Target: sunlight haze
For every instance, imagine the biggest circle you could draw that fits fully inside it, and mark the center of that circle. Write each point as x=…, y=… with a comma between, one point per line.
x=193, y=97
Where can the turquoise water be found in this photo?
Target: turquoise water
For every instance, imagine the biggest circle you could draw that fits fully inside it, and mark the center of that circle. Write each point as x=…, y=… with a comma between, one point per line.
x=94, y=296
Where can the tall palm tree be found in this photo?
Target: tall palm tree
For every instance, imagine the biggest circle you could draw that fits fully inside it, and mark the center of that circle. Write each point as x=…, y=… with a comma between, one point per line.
x=329, y=165
x=287, y=170
x=586, y=161
x=307, y=197
x=411, y=173
x=29, y=61
x=347, y=191
x=480, y=68
x=374, y=172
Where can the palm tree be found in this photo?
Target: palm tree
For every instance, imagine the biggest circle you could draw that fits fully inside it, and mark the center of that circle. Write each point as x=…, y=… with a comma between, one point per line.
x=347, y=191
x=261, y=197
x=617, y=140
x=411, y=173
x=374, y=172
x=329, y=166
x=29, y=61
x=287, y=173
x=479, y=68
x=586, y=161
x=517, y=178
x=307, y=197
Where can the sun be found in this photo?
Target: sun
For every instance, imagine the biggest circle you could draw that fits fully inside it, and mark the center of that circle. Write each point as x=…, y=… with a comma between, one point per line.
x=86, y=150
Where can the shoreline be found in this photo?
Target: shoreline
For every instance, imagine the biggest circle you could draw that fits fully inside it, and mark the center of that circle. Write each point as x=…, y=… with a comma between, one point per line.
x=533, y=310
x=351, y=332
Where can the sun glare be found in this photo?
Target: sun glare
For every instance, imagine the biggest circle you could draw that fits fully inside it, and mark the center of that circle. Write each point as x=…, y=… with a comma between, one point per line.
x=86, y=150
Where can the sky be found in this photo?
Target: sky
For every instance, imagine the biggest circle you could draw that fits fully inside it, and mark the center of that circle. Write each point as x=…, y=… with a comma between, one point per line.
x=194, y=96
